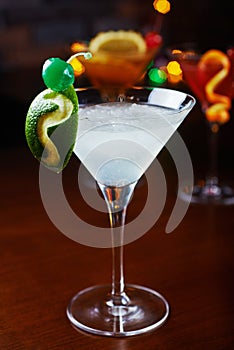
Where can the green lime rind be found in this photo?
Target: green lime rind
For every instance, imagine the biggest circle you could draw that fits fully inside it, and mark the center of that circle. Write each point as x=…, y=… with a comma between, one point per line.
x=61, y=134
x=70, y=93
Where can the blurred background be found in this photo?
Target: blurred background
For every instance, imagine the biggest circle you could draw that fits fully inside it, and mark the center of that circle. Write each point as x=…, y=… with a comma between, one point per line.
x=33, y=30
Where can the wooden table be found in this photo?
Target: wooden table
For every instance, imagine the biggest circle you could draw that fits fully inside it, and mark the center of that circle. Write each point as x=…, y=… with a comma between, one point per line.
x=41, y=269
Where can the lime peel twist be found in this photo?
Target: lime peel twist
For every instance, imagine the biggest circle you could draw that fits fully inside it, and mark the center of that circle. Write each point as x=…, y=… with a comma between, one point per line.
x=49, y=120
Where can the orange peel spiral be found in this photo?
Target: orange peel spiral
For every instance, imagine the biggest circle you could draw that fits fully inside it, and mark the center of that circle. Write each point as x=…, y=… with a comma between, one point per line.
x=218, y=112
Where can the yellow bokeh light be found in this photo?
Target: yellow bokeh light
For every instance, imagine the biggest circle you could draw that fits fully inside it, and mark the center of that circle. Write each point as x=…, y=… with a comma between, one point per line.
x=77, y=66
x=174, y=72
x=174, y=79
x=77, y=47
x=162, y=6
x=173, y=67
x=176, y=51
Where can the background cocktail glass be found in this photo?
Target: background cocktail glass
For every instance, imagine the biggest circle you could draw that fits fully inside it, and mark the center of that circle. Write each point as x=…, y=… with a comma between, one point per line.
x=114, y=70
x=113, y=73
x=208, y=190
x=117, y=141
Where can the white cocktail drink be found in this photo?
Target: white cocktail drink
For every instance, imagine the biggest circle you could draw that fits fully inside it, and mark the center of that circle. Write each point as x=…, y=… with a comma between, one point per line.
x=117, y=142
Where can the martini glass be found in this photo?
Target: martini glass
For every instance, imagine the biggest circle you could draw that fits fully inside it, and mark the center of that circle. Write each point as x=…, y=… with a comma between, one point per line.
x=198, y=76
x=116, y=142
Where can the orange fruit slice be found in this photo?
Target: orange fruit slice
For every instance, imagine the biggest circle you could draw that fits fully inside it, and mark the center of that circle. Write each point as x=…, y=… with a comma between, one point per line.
x=121, y=41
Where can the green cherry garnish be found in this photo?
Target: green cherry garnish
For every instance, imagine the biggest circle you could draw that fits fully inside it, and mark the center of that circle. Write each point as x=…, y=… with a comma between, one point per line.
x=57, y=74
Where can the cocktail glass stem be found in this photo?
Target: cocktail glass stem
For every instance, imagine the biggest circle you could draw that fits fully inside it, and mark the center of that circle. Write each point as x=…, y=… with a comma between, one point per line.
x=212, y=175
x=117, y=199
x=211, y=190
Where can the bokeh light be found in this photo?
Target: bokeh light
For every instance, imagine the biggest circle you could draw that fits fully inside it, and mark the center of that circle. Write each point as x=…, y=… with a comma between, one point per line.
x=77, y=66
x=174, y=72
x=176, y=51
x=162, y=6
x=78, y=47
x=173, y=67
x=157, y=76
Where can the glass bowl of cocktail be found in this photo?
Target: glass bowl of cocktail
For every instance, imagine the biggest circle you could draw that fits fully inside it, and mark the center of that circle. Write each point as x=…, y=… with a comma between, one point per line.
x=210, y=77
x=118, y=60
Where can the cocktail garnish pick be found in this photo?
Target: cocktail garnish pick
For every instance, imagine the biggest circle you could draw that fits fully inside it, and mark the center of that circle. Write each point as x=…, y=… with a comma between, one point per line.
x=56, y=106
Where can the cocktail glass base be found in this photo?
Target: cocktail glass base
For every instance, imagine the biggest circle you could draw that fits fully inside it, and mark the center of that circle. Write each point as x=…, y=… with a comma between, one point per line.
x=209, y=191
x=92, y=310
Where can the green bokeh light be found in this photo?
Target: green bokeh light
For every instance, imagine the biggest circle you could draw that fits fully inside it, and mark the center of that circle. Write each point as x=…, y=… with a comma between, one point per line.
x=157, y=76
